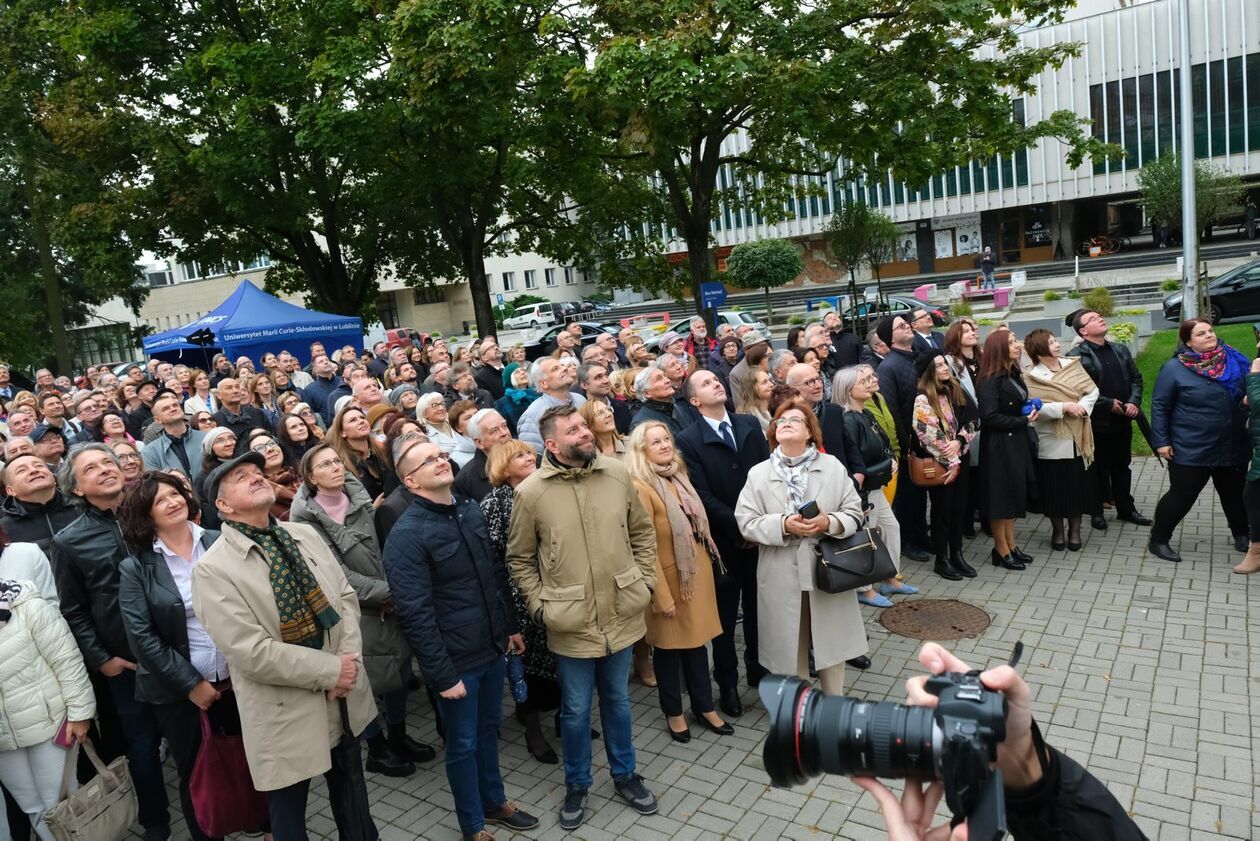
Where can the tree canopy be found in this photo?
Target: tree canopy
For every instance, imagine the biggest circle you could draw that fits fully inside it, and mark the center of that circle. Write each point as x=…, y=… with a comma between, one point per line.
x=1217, y=194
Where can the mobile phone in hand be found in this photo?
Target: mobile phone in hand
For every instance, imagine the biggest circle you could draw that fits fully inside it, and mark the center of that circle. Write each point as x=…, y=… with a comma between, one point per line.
x=809, y=510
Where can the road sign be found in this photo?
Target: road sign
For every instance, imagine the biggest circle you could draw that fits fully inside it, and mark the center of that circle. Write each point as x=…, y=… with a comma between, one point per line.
x=498, y=299
x=712, y=295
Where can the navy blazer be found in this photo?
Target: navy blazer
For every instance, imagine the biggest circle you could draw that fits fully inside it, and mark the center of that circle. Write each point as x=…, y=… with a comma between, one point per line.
x=718, y=474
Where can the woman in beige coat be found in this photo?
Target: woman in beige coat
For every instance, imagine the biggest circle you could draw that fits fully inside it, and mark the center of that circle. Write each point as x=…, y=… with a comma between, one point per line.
x=796, y=474
x=683, y=616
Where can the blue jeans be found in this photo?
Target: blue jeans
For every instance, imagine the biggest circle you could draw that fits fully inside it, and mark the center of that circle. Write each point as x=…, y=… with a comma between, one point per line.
x=987, y=280
x=472, y=746
x=143, y=735
x=579, y=676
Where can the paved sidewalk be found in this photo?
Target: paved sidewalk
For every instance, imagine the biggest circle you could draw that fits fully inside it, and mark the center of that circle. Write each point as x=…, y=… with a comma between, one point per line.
x=1140, y=669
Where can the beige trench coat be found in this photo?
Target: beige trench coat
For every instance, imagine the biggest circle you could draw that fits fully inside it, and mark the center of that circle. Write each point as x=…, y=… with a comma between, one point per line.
x=289, y=724
x=785, y=567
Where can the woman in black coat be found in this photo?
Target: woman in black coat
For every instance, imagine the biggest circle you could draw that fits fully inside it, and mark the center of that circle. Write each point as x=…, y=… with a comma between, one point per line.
x=1006, y=456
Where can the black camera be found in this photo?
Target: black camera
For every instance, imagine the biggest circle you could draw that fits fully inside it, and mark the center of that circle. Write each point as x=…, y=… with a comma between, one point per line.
x=955, y=742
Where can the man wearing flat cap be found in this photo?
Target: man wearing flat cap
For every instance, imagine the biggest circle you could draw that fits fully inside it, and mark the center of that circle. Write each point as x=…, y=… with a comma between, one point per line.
x=275, y=601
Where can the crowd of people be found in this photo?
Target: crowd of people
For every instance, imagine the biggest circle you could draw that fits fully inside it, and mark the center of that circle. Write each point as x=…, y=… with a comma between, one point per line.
x=290, y=552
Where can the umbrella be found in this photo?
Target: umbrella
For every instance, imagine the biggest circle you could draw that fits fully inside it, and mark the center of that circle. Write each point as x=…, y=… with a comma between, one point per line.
x=354, y=818
x=1144, y=427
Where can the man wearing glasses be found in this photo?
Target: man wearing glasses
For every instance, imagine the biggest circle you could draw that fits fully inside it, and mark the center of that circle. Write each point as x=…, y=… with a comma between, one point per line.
x=178, y=447
x=926, y=339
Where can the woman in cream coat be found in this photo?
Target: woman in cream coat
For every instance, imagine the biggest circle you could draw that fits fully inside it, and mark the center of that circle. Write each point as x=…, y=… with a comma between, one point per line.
x=43, y=683
x=797, y=473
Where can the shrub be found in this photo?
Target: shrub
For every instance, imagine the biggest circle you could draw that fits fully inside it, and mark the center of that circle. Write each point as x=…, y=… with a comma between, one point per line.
x=1099, y=299
x=1051, y=295
x=796, y=319
x=1170, y=285
x=963, y=307
x=1074, y=293
x=1131, y=311
x=985, y=322
x=1123, y=332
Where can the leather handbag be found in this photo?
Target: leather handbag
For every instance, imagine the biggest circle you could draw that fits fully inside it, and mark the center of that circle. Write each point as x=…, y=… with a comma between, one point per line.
x=220, y=786
x=847, y=563
x=925, y=471
x=104, y=809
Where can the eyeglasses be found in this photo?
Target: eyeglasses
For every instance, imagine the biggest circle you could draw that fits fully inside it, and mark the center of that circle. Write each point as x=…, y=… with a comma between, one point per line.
x=813, y=381
x=428, y=462
x=329, y=462
x=263, y=446
x=868, y=379
x=127, y=458
x=793, y=421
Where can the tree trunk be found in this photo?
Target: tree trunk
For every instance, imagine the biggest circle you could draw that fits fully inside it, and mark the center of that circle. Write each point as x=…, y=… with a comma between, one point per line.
x=472, y=258
x=700, y=266
x=47, y=264
x=769, y=307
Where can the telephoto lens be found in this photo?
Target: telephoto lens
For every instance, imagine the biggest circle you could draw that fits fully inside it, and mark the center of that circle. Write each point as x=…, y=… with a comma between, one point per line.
x=812, y=733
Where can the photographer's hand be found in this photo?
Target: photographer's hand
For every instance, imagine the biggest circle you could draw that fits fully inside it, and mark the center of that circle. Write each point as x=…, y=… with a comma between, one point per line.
x=1017, y=756
x=910, y=818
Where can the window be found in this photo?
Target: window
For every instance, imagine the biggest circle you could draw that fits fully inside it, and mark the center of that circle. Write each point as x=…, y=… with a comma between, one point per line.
x=531, y=279
x=162, y=278
x=428, y=295
x=509, y=281
x=387, y=309
x=1146, y=117
x=1128, y=96
x=549, y=277
x=570, y=276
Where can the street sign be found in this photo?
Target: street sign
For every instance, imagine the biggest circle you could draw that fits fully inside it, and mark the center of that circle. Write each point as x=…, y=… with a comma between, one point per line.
x=712, y=295
x=498, y=299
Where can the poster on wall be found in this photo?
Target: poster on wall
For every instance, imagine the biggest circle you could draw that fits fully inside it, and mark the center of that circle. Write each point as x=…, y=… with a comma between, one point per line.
x=907, y=249
x=944, y=243
x=966, y=229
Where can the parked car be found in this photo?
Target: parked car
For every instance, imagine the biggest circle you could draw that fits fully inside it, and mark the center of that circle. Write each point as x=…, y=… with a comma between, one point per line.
x=869, y=312
x=737, y=318
x=533, y=316
x=545, y=343
x=1234, y=293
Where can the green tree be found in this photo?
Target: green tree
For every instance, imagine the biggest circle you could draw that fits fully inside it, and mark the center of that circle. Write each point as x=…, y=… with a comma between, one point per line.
x=768, y=263
x=859, y=236
x=750, y=104
x=1217, y=194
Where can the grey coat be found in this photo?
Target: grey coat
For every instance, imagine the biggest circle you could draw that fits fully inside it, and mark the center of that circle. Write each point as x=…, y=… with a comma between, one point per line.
x=355, y=546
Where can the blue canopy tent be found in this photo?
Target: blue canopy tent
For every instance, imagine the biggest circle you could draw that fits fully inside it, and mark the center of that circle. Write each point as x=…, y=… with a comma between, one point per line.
x=250, y=323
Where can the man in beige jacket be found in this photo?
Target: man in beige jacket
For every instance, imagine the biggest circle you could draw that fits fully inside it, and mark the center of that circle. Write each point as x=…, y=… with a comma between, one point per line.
x=582, y=551
x=291, y=672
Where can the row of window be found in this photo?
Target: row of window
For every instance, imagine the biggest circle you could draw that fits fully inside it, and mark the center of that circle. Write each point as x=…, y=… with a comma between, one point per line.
x=1141, y=113
x=184, y=272
x=571, y=277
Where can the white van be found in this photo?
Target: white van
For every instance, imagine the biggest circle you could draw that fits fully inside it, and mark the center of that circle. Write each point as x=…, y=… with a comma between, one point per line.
x=531, y=315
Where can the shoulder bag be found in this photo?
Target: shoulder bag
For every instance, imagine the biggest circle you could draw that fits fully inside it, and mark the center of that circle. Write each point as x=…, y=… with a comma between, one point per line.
x=847, y=563
x=220, y=785
x=102, y=810
x=925, y=471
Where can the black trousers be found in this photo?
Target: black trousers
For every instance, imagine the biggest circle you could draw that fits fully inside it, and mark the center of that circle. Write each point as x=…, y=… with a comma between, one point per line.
x=1185, y=485
x=1251, y=502
x=910, y=506
x=949, y=506
x=677, y=666
x=1113, y=442
x=287, y=806
x=739, y=586
x=181, y=725
x=19, y=823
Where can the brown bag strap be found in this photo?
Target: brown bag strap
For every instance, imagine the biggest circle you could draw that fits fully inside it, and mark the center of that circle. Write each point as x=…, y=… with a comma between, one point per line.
x=72, y=763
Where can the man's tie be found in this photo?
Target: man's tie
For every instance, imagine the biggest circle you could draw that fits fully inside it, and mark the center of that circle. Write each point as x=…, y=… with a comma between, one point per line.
x=725, y=429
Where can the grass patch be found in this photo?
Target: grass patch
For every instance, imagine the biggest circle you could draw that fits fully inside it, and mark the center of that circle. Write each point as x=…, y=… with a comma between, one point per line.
x=1159, y=349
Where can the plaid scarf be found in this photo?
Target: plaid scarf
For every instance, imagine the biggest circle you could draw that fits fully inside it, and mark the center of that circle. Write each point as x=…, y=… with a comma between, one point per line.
x=305, y=613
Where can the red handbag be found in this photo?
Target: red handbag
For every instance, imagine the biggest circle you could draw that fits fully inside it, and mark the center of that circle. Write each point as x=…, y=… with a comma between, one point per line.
x=222, y=791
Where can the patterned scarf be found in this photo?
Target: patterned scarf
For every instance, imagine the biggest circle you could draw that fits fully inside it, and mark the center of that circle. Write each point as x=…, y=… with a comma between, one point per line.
x=794, y=470
x=687, y=521
x=305, y=613
x=8, y=593
x=1221, y=364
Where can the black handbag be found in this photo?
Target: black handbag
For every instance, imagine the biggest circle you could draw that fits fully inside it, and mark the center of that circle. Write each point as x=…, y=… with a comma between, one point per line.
x=847, y=563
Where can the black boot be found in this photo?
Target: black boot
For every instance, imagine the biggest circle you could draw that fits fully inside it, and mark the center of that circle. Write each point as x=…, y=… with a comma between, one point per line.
x=383, y=760
x=959, y=563
x=405, y=746
x=945, y=570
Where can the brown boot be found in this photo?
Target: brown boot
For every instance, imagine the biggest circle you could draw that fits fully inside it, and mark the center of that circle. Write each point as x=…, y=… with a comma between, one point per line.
x=1251, y=563
x=643, y=663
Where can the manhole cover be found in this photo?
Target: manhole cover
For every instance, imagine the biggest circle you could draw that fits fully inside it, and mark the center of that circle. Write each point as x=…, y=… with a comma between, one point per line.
x=934, y=619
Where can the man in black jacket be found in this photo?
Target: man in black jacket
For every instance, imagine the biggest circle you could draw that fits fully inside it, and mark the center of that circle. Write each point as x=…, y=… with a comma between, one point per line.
x=595, y=385
x=808, y=384
x=486, y=428
x=653, y=387
x=85, y=558
x=455, y=606
x=845, y=347
x=719, y=450
x=1119, y=395
x=34, y=509
x=489, y=374
x=926, y=339
x=899, y=386
x=235, y=414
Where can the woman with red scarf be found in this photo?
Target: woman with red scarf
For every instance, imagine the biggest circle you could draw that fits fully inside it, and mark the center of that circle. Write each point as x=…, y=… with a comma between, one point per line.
x=1199, y=425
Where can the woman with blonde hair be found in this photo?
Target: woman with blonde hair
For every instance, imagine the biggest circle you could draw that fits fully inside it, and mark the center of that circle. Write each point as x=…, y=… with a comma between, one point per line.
x=683, y=616
x=599, y=419
x=262, y=396
x=351, y=436
x=201, y=399
x=755, y=401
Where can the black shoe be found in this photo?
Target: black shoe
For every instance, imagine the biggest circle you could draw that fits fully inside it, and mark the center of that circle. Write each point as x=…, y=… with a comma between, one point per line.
x=1058, y=545
x=863, y=662
x=944, y=570
x=969, y=530
x=157, y=833
x=1073, y=547
x=547, y=757
x=725, y=730
x=914, y=554
x=1021, y=556
x=682, y=738
x=1163, y=550
x=729, y=703
x=1242, y=542
x=755, y=675
x=1006, y=561
x=511, y=816
x=408, y=748
x=573, y=810
x=961, y=566
x=634, y=792
x=383, y=760
x=1099, y=522
x=1135, y=518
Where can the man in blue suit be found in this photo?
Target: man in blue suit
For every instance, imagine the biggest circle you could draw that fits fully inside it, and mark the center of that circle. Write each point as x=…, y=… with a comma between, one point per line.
x=719, y=450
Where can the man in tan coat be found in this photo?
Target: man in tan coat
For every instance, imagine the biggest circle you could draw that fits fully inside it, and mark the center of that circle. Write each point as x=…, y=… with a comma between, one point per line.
x=582, y=551
x=276, y=603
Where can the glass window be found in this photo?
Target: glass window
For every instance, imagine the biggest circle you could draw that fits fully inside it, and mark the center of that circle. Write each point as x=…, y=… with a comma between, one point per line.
x=1216, y=98
x=1146, y=117
x=1253, y=100
x=570, y=276
x=1237, y=106
x=387, y=309
x=1098, y=124
x=1129, y=117
x=1165, y=98
x=1112, y=103
x=509, y=281
x=964, y=179
x=1198, y=83
x=531, y=279
x=1037, y=226
x=433, y=294
x=549, y=277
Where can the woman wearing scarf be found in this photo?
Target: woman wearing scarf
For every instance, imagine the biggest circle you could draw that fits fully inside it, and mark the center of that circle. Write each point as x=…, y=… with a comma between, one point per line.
x=683, y=616
x=1065, y=438
x=767, y=512
x=1199, y=426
